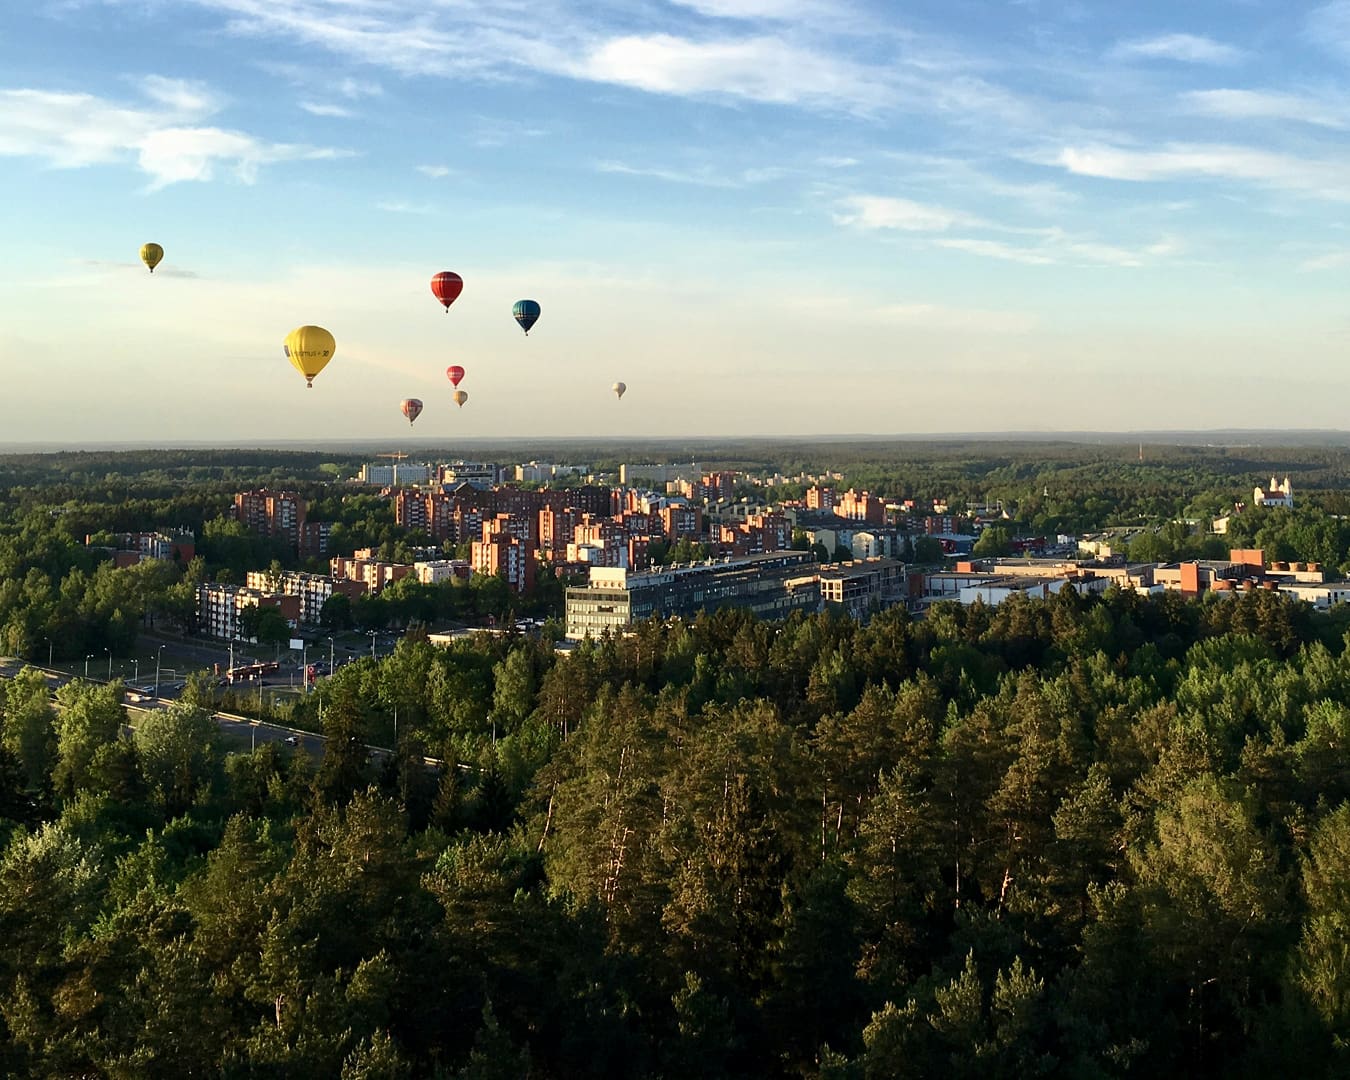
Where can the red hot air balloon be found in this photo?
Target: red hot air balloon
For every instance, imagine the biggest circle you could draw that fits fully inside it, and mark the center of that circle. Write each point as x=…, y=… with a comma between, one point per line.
x=411, y=408
x=446, y=287
x=454, y=373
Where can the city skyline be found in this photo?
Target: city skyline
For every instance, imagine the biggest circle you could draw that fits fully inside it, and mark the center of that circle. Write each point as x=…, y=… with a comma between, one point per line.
x=767, y=217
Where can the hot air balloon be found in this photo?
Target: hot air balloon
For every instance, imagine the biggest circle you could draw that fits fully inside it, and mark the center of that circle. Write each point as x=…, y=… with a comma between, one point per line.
x=446, y=287
x=151, y=254
x=454, y=373
x=411, y=408
x=460, y=396
x=526, y=313
x=309, y=348
x=619, y=389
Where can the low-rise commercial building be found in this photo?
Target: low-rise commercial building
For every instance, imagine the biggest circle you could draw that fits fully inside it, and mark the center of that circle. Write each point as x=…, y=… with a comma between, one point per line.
x=771, y=585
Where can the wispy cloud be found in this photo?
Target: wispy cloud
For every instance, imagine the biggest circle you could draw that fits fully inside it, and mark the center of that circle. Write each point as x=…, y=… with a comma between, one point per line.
x=762, y=9
x=1014, y=243
x=1267, y=105
x=165, y=137
x=996, y=249
x=762, y=69
x=702, y=176
x=1180, y=161
x=400, y=207
x=436, y=172
x=1331, y=260
x=1186, y=48
x=319, y=109
x=1328, y=26
x=793, y=65
x=905, y=215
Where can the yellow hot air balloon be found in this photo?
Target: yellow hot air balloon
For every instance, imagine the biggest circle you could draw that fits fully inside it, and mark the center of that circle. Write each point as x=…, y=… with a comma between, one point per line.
x=151, y=254
x=309, y=348
x=460, y=396
x=619, y=389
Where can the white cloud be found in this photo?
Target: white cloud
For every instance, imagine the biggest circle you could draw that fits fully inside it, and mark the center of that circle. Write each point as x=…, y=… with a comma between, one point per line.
x=995, y=249
x=436, y=172
x=355, y=89
x=838, y=162
x=703, y=176
x=1266, y=105
x=179, y=95
x=1187, y=48
x=166, y=139
x=1041, y=246
x=1179, y=161
x=763, y=69
x=759, y=9
x=319, y=109
x=882, y=212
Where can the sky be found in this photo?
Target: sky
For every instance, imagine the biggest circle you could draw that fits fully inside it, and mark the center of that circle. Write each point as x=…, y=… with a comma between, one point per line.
x=766, y=217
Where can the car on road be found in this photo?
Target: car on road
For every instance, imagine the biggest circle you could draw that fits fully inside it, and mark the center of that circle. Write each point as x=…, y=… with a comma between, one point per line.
x=292, y=740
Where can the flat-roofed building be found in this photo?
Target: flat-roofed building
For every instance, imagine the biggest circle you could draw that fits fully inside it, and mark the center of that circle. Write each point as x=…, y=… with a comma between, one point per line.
x=614, y=599
x=312, y=590
x=220, y=608
x=862, y=586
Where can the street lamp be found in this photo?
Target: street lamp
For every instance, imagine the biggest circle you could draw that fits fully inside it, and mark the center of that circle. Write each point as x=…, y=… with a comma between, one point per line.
x=49, y=652
x=372, y=634
x=136, y=669
x=158, y=656
x=109, y=652
x=86, y=664
x=331, y=657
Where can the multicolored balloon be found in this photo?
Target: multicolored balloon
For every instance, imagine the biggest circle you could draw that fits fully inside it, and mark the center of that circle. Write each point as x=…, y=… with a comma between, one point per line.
x=446, y=287
x=309, y=348
x=460, y=396
x=411, y=408
x=619, y=389
x=151, y=254
x=454, y=373
x=526, y=312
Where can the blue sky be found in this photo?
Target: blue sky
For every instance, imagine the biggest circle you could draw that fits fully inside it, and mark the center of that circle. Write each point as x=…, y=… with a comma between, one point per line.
x=765, y=216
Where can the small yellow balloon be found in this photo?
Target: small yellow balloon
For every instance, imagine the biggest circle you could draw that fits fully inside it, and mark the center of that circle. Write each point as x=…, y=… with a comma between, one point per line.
x=309, y=348
x=151, y=254
x=460, y=397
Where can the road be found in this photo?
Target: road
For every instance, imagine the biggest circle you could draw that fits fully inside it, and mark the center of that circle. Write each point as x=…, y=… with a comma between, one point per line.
x=256, y=731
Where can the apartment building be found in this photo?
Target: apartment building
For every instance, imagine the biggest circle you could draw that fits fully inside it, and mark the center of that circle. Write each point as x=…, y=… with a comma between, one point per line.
x=312, y=590
x=374, y=574
x=220, y=608
x=505, y=556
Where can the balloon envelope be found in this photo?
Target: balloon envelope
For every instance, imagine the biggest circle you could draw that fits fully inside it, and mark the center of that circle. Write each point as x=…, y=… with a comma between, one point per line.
x=446, y=286
x=454, y=373
x=526, y=313
x=411, y=408
x=460, y=396
x=151, y=254
x=619, y=388
x=309, y=348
